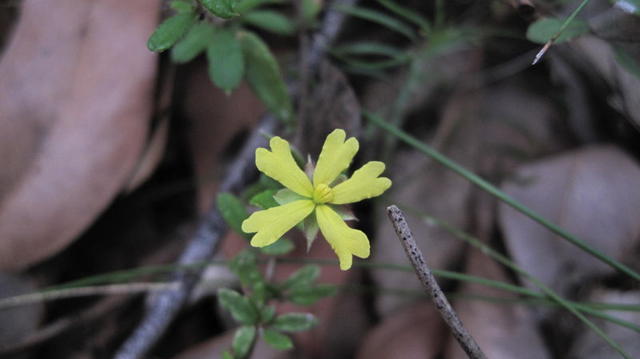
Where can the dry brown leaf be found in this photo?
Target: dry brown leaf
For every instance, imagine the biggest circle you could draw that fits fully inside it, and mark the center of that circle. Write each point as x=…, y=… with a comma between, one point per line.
x=77, y=83
x=502, y=330
x=416, y=332
x=593, y=194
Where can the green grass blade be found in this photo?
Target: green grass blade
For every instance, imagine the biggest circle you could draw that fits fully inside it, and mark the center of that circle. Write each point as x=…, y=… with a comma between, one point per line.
x=493, y=190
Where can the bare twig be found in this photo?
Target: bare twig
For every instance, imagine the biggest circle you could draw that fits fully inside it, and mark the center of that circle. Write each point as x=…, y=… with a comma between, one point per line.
x=163, y=307
x=450, y=317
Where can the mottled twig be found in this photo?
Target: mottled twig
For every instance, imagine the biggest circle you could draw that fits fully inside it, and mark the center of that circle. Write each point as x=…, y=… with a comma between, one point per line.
x=403, y=232
x=162, y=307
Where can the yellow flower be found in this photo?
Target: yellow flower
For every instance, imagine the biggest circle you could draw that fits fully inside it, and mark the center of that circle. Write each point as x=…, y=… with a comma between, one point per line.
x=317, y=195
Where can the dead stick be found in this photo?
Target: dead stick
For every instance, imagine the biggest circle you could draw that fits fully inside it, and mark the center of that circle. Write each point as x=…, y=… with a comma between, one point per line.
x=450, y=317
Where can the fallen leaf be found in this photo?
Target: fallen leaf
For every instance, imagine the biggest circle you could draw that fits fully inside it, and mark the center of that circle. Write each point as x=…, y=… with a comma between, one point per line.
x=79, y=81
x=591, y=193
x=415, y=332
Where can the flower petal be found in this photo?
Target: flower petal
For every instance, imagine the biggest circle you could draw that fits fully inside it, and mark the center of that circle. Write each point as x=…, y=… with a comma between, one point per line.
x=335, y=157
x=280, y=165
x=271, y=224
x=344, y=240
x=364, y=184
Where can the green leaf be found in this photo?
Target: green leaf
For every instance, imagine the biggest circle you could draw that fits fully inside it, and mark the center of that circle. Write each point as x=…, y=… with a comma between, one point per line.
x=544, y=30
x=233, y=211
x=271, y=21
x=310, y=229
x=367, y=48
x=245, y=266
x=310, y=295
x=267, y=314
x=170, y=31
x=227, y=355
x=280, y=247
x=221, y=8
x=243, y=340
x=226, y=62
x=407, y=13
x=286, y=195
x=193, y=43
x=245, y=5
x=294, y=322
x=263, y=74
x=182, y=6
x=264, y=199
x=277, y=340
x=303, y=277
x=378, y=18
x=310, y=10
x=239, y=306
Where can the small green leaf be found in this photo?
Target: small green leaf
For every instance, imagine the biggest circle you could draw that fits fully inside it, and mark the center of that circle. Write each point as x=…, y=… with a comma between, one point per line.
x=193, y=43
x=243, y=340
x=264, y=199
x=233, y=211
x=239, y=306
x=221, y=8
x=245, y=266
x=263, y=74
x=310, y=295
x=294, y=322
x=182, y=6
x=303, y=277
x=544, y=30
x=310, y=10
x=267, y=314
x=227, y=355
x=378, y=18
x=226, y=62
x=280, y=247
x=271, y=21
x=277, y=340
x=407, y=13
x=170, y=31
x=286, y=195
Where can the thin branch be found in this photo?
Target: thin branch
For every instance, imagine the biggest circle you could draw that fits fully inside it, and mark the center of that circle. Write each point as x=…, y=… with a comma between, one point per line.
x=450, y=317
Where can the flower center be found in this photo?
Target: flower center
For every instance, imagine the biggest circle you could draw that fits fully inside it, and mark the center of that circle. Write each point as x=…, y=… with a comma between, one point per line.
x=322, y=194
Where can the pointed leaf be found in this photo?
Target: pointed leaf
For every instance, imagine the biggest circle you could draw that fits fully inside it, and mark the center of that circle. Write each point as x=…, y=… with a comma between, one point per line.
x=226, y=61
x=170, y=31
x=245, y=266
x=193, y=43
x=279, y=247
x=271, y=21
x=264, y=199
x=544, y=30
x=243, y=340
x=239, y=306
x=277, y=340
x=310, y=295
x=221, y=8
x=182, y=6
x=233, y=211
x=264, y=76
x=267, y=314
x=294, y=322
x=303, y=277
